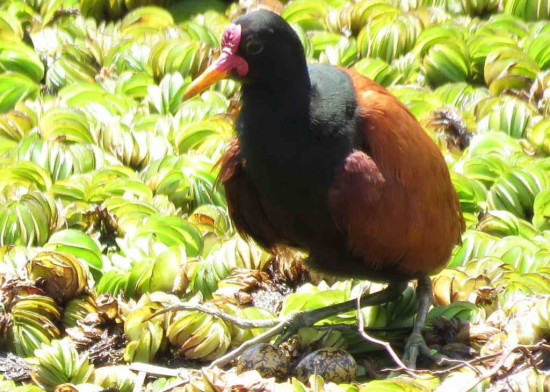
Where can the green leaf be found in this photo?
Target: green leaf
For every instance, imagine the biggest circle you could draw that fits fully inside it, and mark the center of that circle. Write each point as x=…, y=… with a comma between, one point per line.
x=539, y=50
x=112, y=282
x=19, y=58
x=388, y=41
x=461, y=95
x=168, y=95
x=177, y=55
x=308, y=14
x=15, y=87
x=394, y=385
x=66, y=124
x=379, y=71
x=474, y=245
x=509, y=69
x=207, y=137
x=486, y=169
x=462, y=309
x=434, y=35
x=479, y=7
x=79, y=245
x=539, y=136
x=511, y=116
x=447, y=62
x=541, y=210
x=310, y=297
x=172, y=231
x=166, y=268
x=528, y=10
x=471, y=192
x=515, y=191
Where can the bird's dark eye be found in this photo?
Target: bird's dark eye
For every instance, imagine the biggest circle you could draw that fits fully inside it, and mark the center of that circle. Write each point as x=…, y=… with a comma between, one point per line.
x=254, y=46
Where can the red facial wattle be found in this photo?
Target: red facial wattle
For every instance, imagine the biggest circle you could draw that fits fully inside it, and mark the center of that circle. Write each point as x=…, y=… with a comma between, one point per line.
x=231, y=38
x=229, y=60
x=226, y=64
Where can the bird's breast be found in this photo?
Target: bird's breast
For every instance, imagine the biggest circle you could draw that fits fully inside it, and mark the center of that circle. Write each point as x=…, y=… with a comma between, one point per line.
x=295, y=177
x=293, y=171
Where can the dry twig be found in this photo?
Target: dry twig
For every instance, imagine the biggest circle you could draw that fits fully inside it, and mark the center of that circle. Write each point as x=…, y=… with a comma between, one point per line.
x=140, y=380
x=249, y=343
x=241, y=323
x=526, y=351
x=386, y=345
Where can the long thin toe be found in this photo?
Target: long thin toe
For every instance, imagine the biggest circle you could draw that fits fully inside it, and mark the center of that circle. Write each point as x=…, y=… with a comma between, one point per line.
x=417, y=345
x=410, y=357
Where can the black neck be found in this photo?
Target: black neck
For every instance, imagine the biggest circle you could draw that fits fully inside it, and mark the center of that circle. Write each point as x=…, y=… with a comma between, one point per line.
x=289, y=89
x=273, y=126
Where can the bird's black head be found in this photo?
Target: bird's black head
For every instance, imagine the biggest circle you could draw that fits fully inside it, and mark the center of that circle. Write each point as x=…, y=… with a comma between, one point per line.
x=270, y=46
x=259, y=48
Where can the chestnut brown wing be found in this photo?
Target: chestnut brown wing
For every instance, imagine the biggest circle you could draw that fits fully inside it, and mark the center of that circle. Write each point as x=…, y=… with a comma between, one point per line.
x=393, y=197
x=246, y=208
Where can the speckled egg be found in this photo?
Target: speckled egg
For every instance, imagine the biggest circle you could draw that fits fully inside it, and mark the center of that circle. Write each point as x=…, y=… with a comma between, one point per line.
x=266, y=359
x=333, y=364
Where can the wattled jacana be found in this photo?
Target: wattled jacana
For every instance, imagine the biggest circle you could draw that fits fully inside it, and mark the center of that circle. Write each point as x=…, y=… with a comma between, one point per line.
x=330, y=162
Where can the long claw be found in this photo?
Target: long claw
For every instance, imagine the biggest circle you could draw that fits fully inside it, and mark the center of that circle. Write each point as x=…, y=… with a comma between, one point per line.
x=417, y=345
x=411, y=349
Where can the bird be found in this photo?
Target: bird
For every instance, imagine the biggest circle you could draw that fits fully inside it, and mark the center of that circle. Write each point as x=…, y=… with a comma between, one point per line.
x=329, y=162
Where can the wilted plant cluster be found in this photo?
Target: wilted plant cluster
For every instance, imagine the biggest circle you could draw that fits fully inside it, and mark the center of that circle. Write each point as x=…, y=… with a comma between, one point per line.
x=110, y=210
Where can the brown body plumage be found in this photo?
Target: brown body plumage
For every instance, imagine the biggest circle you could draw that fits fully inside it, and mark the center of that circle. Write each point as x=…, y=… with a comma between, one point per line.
x=393, y=199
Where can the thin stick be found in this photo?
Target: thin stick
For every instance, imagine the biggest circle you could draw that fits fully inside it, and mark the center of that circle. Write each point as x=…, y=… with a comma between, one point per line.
x=249, y=343
x=175, y=384
x=241, y=323
x=468, y=365
x=140, y=380
x=144, y=368
x=353, y=327
x=386, y=345
x=489, y=374
x=460, y=364
x=153, y=369
x=525, y=351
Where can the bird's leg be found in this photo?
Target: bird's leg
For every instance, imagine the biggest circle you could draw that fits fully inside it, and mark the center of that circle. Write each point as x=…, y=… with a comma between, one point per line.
x=309, y=317
x=415, y=343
